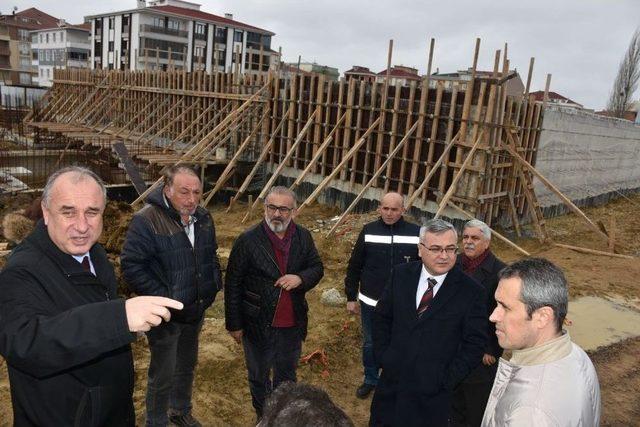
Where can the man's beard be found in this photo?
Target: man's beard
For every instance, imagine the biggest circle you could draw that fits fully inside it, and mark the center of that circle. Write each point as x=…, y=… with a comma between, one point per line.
x=277, y=227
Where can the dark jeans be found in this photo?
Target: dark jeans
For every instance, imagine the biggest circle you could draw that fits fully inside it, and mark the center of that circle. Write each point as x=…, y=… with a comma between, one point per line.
x=174, y=353
x=471, y=396
x=278, y=352
x=371, y=369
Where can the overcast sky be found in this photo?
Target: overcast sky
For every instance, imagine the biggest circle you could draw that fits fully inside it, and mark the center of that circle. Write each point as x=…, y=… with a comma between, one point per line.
x=579, y=42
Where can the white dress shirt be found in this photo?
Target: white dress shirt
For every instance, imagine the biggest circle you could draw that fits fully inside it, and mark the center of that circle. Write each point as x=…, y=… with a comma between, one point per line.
x=423, y=285
x=79, y=258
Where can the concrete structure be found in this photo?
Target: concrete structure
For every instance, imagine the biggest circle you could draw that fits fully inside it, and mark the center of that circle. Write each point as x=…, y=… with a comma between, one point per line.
x=15, y=44
x=512, y=82
x=63, y=46
x=360, y=74
x=590, y=158
x=176, y=34
x=399, y=75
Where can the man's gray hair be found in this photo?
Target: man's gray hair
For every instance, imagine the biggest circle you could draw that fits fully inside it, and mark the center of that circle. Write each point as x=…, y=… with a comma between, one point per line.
x=171, y=172
x=437, y=226
x=78, y=173
x=484, y=228
x=282, y=191
x=543, y=285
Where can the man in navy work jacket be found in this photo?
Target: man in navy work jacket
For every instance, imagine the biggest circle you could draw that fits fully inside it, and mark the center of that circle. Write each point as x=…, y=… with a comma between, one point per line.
x=170, y=250
x=382, y=244
x=64, y=332
x=429, y=333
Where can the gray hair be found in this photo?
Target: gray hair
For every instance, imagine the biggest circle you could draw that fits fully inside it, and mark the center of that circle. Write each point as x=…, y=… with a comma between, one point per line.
x=170, y=173
x=78, y=174
x=282, y=191
x=437, y=226
x=543, y=285
x=484, y=228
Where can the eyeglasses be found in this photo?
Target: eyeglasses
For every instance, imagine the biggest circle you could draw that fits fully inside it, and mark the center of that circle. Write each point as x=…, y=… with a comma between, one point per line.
x=437, y=250
x=284, y=210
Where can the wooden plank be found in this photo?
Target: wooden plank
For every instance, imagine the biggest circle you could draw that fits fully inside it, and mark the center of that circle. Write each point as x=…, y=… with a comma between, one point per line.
x=129, y=167
x=593, y=251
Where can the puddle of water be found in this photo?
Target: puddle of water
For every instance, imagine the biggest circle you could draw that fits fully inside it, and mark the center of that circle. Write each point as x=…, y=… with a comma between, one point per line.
x=598, y=322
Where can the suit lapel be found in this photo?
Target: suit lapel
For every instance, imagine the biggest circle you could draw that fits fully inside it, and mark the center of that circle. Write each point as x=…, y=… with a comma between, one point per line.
x=409, y=295
x=449, y=288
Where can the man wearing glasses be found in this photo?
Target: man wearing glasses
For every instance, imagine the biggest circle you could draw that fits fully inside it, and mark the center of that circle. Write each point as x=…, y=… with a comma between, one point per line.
x=429, y=333
x=382, y=244
x=271, y=267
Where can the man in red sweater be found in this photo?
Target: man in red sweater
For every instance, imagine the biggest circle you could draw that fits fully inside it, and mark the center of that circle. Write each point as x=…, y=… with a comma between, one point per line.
x=271, y=267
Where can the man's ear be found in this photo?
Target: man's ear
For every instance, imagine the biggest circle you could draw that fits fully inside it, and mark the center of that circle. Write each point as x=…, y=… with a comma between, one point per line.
x=543, y=317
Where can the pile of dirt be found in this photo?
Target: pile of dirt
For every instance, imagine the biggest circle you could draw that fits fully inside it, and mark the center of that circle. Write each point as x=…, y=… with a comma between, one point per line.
x=221, y=395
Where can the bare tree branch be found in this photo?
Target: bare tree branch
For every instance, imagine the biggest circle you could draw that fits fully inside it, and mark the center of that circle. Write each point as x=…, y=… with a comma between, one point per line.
x=627, y=79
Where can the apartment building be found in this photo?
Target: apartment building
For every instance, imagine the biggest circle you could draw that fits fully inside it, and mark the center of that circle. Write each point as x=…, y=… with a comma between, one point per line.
x=176, y=34
x=63, y=46
x=15, y=44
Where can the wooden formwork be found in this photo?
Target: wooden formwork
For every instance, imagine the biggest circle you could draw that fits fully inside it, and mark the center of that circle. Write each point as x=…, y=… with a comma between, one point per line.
x=446, y=138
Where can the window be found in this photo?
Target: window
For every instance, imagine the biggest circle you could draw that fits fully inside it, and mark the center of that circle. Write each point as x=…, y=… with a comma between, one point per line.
x=23, y=34
x=62, y=37
x=40, y=55
x=47, y=55
x=40, y=38
x=48, y=73
x=47, y=37
x=112, y=21
x=158, y=22
x=110, y=46
x=237, y=36
x=200, y=29
x=173, y=25
x=125, y=20
x=54, y=37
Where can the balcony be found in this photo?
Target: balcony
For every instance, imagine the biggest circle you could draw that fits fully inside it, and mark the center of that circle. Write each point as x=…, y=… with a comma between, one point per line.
x=166, y=31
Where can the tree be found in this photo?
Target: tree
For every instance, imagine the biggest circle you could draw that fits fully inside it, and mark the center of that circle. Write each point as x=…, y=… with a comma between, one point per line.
x=627, y=79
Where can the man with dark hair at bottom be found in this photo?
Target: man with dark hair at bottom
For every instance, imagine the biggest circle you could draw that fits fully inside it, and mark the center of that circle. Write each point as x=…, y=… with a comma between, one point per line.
x=549, y=381
x=429, y=333
x=170, y=250
x=382, y=244
x=302, y=405
x=477, y=261
x=64, y=332
x=271, y=267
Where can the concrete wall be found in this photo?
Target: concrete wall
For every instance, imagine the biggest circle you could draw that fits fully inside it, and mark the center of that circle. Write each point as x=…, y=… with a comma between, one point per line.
x=590, y=158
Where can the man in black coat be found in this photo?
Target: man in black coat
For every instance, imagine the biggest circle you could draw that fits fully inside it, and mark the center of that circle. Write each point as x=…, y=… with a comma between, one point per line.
x=271, y=267
x=477, y=260
x=170, y=250
x=381, y=245
x=429, y=333
x=64, y=332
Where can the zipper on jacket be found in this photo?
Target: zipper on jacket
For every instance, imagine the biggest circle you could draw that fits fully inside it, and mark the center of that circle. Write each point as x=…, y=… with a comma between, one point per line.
x=276, y=310
x=280, y=293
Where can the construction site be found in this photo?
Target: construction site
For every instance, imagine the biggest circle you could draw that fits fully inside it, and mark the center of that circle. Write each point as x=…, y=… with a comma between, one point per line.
x=549, y=182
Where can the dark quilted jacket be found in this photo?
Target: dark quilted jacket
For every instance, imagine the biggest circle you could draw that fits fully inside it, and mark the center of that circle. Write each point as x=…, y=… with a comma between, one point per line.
x=158, y=259
x=250, y=297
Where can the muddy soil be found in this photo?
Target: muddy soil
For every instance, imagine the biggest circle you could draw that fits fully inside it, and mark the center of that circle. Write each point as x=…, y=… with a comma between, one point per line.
x=221, y=395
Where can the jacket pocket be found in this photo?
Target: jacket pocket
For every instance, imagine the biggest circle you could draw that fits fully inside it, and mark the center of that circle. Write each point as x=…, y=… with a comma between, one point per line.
x=249, y=309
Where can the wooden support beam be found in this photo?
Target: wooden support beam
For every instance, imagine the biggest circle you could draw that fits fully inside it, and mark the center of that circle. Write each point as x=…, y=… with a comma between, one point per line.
x=495, y=233
x=434, y=169
x=593, y=251
x=336, y=170
x=373, y=178
x=283, y=163
x=319, y=153
x=552, y=188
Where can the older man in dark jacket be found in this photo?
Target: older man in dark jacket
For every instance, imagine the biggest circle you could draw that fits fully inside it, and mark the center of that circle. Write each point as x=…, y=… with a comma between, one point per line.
x=477, y=261
x=63, y=330
x=170, y=250
x=271, y=267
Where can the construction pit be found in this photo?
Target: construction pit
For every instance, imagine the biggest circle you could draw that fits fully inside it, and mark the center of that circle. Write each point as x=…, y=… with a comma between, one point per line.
x=604, y=313
x=455, y=148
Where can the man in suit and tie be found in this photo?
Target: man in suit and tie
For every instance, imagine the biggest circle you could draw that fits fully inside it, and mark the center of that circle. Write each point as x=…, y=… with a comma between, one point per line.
x=429, y=333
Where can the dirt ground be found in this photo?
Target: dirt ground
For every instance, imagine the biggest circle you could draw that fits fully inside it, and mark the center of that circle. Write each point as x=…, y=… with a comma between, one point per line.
x=221, y=395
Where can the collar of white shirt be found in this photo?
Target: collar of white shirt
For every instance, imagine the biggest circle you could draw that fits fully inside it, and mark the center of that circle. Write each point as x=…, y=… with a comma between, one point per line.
x=423, y=285
x=79, y=258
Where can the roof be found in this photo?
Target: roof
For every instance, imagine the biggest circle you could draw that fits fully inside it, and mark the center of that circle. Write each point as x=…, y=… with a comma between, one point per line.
x=397, y=72
x=37, y=19
x=539, y=96
x=356, y=69
x=80, y=27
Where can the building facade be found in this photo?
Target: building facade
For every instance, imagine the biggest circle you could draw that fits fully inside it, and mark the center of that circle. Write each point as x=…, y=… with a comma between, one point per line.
x=15, y=44
x=176, y=34
x=399, y=75
x=65, y=46
x=360, y=73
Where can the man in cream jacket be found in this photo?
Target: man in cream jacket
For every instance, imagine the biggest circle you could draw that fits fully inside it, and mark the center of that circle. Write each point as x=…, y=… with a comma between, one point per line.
x=549, y=381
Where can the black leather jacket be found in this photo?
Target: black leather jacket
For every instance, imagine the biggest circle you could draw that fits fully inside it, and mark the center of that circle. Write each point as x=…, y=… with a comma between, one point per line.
x=250, y=297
